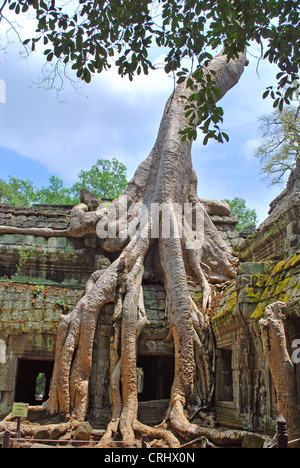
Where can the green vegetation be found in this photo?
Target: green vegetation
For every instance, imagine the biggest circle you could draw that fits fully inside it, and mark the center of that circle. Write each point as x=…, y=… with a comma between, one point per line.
x=24, y=255
x=90, y=36
x=280, y=132
x=245, y=216
x=106, y=179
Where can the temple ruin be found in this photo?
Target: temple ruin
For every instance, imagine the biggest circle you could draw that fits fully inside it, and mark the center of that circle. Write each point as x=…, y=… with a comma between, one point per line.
x=43, y=277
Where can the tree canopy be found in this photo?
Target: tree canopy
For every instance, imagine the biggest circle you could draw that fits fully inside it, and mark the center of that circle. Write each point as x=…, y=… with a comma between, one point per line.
x=90, y=35
x=280, y=148
x=106, y=179
x=245, y=215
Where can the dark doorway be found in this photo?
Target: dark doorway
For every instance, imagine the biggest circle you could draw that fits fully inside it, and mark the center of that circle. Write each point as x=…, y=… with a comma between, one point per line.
x=33, y=381
x=155, y=377
x=224, y=383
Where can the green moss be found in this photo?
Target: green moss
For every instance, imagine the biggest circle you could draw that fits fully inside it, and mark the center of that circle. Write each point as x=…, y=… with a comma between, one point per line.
x=252, y=294
x=226, y=308
x=258, y=281
x=259, y=311
x=282, y=284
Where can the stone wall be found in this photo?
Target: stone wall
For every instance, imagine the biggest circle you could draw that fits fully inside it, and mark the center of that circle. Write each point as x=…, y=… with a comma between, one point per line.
x=279, y=235
x=222, y=217
x=52, y=279
x=29, y=315
x=235, y=327
x=50, y=260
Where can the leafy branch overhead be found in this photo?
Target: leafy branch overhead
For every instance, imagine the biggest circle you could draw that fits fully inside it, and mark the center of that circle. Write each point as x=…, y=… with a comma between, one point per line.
x=91, y=35
x=280, y=147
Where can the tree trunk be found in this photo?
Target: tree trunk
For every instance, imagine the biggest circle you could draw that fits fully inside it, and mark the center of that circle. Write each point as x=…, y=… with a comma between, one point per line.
x=281, y=366
x=166, y=179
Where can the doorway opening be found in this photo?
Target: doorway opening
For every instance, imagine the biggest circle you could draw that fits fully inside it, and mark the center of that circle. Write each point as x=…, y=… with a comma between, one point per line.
x=33, y=381
x=155, y=376
x=224, y=381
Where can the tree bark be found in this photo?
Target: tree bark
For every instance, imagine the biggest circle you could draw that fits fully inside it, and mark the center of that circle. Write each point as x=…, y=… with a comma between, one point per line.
x=165, y=178
x=281, y=366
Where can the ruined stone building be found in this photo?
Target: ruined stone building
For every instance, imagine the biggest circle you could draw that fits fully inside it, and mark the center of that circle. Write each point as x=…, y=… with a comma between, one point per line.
x=42, y=277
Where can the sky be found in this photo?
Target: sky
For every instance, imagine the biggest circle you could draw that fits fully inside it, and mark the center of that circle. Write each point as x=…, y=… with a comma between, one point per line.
x=43, y=133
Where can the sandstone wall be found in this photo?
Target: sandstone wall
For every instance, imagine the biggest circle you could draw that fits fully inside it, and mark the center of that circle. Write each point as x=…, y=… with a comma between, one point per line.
x=235, y=326
x=29, y=315
x=279, y=235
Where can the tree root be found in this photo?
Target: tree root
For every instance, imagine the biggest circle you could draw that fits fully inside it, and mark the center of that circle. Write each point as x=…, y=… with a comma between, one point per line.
x=165, y=179
x=281, y=366
x=45, y=431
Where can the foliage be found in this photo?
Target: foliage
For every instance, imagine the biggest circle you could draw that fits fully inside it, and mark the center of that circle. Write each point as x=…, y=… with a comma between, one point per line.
x=90, y=35
x=17, y=192
x=245, y=216
x=106, y=179
x=280, y=132
x=40, y=385
x=65, y=308
x=24, y=255
x=55, y=193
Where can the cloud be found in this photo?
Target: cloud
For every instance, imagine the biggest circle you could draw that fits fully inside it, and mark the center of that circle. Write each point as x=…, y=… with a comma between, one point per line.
x=113, y=117
x=249, y=147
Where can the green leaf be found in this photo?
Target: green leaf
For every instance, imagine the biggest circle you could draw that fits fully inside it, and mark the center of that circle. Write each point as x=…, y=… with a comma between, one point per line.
x=205, y=141
x=225, y=136
x=87, y=76
x=266, y=94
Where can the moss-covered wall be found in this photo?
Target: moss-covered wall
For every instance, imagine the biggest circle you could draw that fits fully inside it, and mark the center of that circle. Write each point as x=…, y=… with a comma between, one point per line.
x=29, y=315
x=278, y=236
x=33, y=308
x=281, y=283
x=52, y=260
x=235, y=327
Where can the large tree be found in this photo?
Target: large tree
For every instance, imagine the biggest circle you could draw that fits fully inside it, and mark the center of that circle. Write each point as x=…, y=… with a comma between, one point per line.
x=165, y=180
x=88, y=38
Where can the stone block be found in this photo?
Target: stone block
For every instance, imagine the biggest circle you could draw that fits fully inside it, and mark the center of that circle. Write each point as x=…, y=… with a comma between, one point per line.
x=253, y=268
x=253, y=441
x=83, y=432
x=57, y=242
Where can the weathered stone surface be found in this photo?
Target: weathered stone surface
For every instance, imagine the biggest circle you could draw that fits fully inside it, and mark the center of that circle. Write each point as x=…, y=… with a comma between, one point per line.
x=50, y=260
x=235, y=329
x=52, y=280
x=83, y=432
x=253, y=441
x=279, y=235
x=48, y=216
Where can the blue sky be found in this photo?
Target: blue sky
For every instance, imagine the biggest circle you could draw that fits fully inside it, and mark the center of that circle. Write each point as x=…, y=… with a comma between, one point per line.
x=41, y=135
